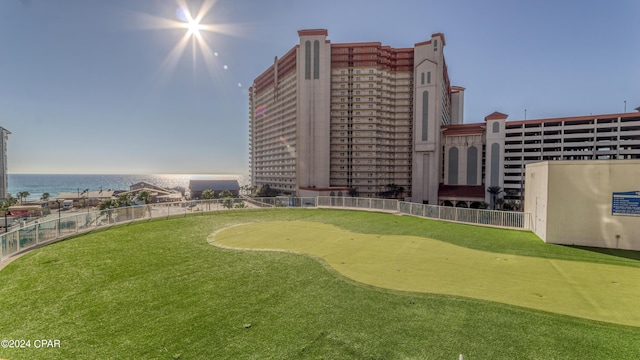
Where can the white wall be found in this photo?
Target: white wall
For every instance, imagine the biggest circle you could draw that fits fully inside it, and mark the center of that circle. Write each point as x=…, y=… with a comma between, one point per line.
x=577, y=199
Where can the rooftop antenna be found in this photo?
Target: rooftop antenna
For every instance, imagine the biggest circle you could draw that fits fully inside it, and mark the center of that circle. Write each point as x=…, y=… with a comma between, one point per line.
x=625, y=106
x=525, y=114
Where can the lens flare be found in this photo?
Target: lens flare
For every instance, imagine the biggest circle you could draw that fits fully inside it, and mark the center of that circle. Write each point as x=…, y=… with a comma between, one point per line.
x=198, y=33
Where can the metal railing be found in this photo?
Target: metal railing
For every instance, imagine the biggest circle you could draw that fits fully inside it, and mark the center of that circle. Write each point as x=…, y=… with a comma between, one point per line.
x=507, y=219
x=32, y=235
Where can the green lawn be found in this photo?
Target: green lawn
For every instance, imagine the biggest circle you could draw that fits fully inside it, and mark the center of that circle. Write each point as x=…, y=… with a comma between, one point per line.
x=411, y=263
x=159, y=290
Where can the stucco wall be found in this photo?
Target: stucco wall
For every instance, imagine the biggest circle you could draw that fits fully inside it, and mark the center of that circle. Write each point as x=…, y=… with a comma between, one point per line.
x=570, y=202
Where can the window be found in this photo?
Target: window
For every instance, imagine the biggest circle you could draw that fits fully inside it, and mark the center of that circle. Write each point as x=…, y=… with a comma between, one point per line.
x=472, y=166
x=453, y=166
x=425, y=115
x=422, y=78
x=316, y=59
x=307, y=60
x=429, y=77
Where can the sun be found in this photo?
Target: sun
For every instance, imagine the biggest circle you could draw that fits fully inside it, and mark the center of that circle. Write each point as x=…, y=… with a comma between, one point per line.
x=199, y=33
x=193, y=28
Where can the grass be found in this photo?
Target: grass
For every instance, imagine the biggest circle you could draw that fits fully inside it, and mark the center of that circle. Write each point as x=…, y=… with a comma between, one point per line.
x=158, y=290
x=410, y=263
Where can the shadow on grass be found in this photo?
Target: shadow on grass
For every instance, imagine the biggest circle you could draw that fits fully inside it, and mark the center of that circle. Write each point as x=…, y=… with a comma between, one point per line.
x=627, y=254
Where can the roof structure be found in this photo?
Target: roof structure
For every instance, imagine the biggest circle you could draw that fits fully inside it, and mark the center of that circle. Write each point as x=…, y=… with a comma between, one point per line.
x=215, y=185
x=461, y=191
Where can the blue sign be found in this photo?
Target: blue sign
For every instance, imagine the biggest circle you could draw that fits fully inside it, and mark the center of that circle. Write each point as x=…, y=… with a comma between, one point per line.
x=626, y=203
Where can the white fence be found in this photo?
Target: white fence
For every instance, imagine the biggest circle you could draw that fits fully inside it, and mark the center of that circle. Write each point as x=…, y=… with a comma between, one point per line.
x=58, y=227
x=509, y=219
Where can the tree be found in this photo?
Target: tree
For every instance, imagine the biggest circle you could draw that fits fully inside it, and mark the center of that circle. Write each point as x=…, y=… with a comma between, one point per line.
x=144, y=195
x=353, y=192
x=4, y=207
x=393, y=191
x=23, y=195
x=494, y=191
x=267, y=191
x=45, y=196
x=124, y=199
x=208, y=194
x=106, y=205
x=227, y=197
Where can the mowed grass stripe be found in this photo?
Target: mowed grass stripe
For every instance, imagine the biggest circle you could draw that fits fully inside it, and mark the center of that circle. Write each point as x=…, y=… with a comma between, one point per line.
x=409, y=263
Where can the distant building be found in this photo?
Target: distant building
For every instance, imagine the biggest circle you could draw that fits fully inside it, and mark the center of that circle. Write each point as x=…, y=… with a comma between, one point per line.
x=196, y=187
x=145, y=185
x=4, y=182
x=85, y=198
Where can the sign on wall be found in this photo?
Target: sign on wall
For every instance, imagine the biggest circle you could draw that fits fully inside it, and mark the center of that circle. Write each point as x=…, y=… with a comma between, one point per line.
x=626, y=203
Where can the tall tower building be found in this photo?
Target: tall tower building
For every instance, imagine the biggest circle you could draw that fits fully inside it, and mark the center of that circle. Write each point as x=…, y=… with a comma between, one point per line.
x=329, y=117
x=4, y=181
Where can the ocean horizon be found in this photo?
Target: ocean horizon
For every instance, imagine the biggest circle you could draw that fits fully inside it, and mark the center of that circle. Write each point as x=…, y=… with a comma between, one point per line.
x=54, y=184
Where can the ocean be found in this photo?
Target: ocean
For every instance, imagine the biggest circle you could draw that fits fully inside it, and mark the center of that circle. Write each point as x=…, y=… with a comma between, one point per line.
x=54, y=184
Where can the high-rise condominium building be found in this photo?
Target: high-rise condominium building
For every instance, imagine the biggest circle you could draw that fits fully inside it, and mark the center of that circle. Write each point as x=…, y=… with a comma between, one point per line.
x=325, y=118
x=4, y=181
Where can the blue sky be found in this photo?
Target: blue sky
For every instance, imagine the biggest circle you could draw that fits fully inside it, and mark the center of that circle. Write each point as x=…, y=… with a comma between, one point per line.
x=86, y=85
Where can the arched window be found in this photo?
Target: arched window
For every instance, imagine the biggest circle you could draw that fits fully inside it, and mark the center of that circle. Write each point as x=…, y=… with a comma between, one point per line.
x=453, y=166
x=307, y=59
x=472, y=166
x=496, y=127
x=425, y=115
x=316, y=59
x=495, y=164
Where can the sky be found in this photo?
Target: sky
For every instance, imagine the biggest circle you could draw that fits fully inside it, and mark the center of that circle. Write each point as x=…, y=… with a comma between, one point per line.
x=123, y=87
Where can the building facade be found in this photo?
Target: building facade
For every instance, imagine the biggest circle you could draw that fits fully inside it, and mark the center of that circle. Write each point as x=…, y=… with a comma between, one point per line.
x=495, y=153
x=4, y=178
x=361, y=116
x=326, y=118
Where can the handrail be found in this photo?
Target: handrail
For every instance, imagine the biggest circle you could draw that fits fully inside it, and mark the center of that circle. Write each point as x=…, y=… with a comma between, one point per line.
x=43, y=232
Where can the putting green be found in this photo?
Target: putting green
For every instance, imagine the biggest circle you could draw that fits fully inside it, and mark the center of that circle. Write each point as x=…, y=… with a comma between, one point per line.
x=408, y=263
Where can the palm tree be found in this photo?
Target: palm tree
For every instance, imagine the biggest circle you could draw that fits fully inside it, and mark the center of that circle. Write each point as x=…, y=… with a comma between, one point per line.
x=145, y=196
x=107, y=204
x=23, y=195
x=228, y=199
x=4, y=207
x=124, y=199
x=494, y=191
x=208, y=194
